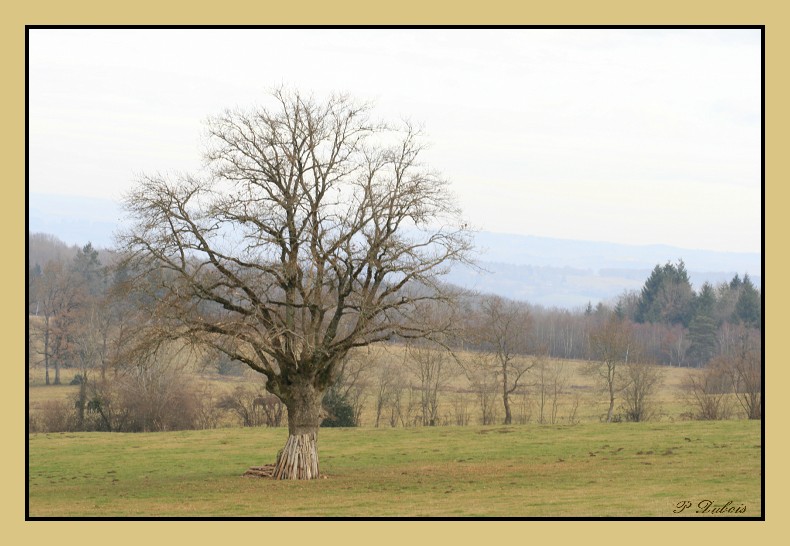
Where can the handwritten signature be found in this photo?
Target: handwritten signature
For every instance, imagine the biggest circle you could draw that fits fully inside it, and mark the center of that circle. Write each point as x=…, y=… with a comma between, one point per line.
x=710, y=507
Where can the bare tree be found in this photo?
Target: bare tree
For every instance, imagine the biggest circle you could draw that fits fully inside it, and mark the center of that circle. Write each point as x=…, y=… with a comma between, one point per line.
x=57, y=293
x=484, y=383
x=611, y=344
x=502, y=328
x=745, y=369
x=385, y=385
x=431, y=366
x=352, y=381
x=550, y=382
x=676, y=344
x=399, y=401
x=307, y=237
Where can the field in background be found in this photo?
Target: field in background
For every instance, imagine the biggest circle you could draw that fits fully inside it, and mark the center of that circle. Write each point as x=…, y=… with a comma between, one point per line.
x=580, y=401
x=592, y=469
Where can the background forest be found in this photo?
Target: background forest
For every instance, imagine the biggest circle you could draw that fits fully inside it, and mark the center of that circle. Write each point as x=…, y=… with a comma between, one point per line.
x=665, y=351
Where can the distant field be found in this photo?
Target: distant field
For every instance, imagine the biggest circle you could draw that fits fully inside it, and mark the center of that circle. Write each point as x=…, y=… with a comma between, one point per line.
x=591, y=469
x=670, y=401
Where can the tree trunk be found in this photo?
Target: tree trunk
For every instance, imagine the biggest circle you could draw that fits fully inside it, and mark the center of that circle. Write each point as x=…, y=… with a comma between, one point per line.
x=81, y=401
x=505, y=397
x=298, y=460
x=46, y=351
x=610, y=380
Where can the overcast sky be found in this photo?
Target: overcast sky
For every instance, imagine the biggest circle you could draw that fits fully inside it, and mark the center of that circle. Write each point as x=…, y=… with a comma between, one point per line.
x=627, y=136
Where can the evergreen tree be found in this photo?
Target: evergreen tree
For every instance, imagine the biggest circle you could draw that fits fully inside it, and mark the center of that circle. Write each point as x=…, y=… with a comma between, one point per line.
x=619, y=312
x=667, y=296
x=726, y=297
x=748, y=308
x=87, y=265
x=646, y=310
x=340, y=412
x=703, y=327
x=705, y=302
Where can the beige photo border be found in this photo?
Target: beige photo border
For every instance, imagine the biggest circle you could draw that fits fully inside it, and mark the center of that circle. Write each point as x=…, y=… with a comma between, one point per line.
x=232, y=12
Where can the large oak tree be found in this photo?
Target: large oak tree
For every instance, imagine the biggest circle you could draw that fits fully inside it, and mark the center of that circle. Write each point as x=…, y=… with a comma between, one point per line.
x=312, y=230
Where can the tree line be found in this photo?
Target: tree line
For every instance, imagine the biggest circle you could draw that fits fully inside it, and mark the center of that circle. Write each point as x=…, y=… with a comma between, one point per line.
x=508, y=355
x=675, y=325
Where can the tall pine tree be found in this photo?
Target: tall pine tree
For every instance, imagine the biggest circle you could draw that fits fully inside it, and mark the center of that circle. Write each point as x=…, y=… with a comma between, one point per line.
x=703, y=327
x=667, y=296
x=748, y=308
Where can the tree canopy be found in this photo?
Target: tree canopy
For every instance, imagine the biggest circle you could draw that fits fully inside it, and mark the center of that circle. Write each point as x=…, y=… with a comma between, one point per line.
x=314, y=229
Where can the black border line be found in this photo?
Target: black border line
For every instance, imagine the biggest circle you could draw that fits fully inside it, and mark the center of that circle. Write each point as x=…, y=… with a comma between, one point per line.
x=762, y=269
x=27, y=274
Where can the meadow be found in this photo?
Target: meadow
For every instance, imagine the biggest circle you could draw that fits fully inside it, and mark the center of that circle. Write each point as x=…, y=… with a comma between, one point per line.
x=580, y=399
x=576, y=467
x=583, y=470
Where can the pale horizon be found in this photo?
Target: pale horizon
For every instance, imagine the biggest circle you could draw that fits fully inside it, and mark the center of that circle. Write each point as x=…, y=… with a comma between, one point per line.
x=638, y=137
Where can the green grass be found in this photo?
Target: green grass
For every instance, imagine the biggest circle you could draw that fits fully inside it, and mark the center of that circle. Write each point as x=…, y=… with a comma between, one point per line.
x=591, y=469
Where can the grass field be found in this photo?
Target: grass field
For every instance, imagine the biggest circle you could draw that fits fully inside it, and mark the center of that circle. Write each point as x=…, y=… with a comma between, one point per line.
x=587, y=470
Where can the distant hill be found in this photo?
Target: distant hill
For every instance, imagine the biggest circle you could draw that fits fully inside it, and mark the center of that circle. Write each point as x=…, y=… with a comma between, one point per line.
x=568, y=273
x=545, y=251
x=74, y=220
x=544, y=271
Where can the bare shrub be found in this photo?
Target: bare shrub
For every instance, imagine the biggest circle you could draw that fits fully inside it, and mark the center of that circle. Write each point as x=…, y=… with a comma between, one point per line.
x=159, y=397
x=105, y=409
x=460, y=406
x=55, y=416
x=522, y=406
x=484, y=383
x=150, y=391
x=207, y=412
x=745, y=369
x=550, y=381
x=396, y=399
x=409, y=414
x=351, y=380
x=386, y=382
x=642, y=382
x=708, y=392
x=398, y=394
x=431, y=367
x=253, y=407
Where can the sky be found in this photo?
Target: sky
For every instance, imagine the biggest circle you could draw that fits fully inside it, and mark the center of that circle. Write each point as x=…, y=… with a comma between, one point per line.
x=625, y=136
